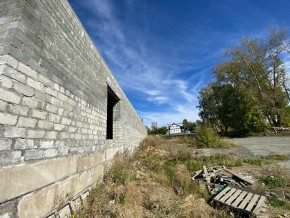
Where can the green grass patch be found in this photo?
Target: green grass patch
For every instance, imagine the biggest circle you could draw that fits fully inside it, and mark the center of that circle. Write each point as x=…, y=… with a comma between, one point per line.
x=273, y=181
x=275, y=202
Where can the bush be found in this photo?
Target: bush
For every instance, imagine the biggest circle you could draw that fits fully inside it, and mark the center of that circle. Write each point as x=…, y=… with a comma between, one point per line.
x=207, y=137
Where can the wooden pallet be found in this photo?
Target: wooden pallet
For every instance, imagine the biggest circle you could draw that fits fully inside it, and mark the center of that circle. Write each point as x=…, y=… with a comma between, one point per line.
x=241, y=201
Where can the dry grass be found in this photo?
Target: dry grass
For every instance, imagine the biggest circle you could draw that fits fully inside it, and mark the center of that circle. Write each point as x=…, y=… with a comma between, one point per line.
x=141, y=184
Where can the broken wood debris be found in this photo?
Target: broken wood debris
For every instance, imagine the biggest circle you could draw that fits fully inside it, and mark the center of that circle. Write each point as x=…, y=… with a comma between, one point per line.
x=231, y=190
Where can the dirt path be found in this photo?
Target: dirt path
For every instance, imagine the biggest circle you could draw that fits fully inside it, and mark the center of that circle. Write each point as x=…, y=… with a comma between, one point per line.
x=263, y=146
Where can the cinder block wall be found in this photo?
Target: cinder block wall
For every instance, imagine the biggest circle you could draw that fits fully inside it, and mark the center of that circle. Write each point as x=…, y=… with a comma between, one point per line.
x=53, y=110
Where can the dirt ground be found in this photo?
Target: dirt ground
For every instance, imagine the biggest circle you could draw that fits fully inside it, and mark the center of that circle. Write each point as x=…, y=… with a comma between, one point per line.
x=142, y=184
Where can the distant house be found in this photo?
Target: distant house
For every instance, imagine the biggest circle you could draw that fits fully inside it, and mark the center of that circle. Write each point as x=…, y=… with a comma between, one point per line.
x=175, y=128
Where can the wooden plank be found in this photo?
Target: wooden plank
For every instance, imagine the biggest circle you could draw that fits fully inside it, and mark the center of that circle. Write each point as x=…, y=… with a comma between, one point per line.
x=239, y=176
x=246, y=200
x=252, y=202
x=260, y=204
x=229, y=194
x=233, y=197
x=239, y=199
x=222, y=193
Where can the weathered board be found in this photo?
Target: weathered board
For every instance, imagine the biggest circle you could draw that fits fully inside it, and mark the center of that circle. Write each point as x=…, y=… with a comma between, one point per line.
x=241, y=200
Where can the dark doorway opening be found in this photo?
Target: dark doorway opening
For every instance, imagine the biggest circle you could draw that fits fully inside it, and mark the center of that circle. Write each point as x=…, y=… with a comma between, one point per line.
x=111, y=102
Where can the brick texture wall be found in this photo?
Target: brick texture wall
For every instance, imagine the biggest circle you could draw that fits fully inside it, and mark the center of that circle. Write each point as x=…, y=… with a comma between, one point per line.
x=53, y=110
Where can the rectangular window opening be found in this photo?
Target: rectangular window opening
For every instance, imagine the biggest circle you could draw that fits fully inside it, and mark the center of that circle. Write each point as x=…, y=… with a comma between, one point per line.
x=112, y=100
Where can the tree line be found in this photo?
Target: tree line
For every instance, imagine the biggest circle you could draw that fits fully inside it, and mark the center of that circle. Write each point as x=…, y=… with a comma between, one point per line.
x=250, y=91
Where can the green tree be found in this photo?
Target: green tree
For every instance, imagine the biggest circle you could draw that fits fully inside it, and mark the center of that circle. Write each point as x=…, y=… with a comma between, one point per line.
x=255, y=67
x=230, y=110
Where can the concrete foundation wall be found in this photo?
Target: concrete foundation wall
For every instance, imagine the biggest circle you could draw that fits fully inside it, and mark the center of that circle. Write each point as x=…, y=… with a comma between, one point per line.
x=53, y=110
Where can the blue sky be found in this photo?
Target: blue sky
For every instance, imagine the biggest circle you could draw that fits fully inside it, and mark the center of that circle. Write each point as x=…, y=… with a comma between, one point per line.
x=162, y=52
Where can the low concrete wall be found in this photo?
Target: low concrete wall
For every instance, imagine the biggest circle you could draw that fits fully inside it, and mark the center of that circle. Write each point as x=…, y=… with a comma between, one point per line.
x=53, y=110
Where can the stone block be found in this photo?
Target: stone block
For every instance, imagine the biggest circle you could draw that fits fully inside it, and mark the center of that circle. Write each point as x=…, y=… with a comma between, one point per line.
x=35, y=84
x=18, y=109
x=14, y=132
x=33, y=154
x=39, y=114
x=5, y=144
x=27, y=70
x=88, y=161
x=34, y=176
x=43, y=124
x=6, y=82
x=35, y=134
x=56, y=102
x=23, y=89
x=24, y=144
x=9, y=96
x=26, y=122
x=8, y=119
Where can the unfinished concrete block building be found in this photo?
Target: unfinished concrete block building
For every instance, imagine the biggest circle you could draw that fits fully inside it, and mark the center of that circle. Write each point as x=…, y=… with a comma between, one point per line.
x=62, y=113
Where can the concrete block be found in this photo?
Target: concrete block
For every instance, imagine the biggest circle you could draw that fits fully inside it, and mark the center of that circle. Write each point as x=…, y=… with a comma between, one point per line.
x=59, y=127
x=39, y=203
x=51, y=135
x=14, y=74
x=51, y=108
x=54, y=118
x=27, y=70
x=8, y=209
x=39, y=114
x=3, y=105
x=56, y=87
x=52, y=152
x=43, y=124
x=8, y=119
x=18, y=109
x=9, y=157
x=45, y=81
x=9, y=96
x=35, y=84
x=23, y=89
x=65, y=212
x=5, y=144
x=46, y=143
x=56, y=102
x=33, y=154
x=50, y=91
x=42, y=96
x=75, y=204
x=35, y=134
x=26, y=122
x=63, y=150
x=14, y=132
x=24, y=144
x=31, y=102
x=9, y=60
x=34, y=176
x=6, y=82
x=66, y=121
x=88, y=161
